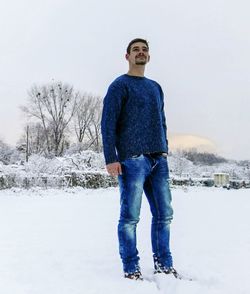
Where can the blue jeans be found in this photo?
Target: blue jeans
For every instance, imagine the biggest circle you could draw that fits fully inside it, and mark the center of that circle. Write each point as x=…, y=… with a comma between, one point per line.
x=148, y=173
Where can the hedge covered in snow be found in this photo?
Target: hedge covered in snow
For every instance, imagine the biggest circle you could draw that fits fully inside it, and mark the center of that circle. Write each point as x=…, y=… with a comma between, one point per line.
x=85, y=180
x=85, y=169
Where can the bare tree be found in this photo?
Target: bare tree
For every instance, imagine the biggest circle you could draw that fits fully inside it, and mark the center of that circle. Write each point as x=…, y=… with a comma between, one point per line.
x=53, y=106
x=94, y=128
x=87, y=121
x=5, y=152
x=83, y=116
x=35, y=138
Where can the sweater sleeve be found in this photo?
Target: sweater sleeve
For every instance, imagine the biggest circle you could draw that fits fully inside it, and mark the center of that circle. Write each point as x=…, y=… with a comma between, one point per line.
x=112, y=105
x=164, y=124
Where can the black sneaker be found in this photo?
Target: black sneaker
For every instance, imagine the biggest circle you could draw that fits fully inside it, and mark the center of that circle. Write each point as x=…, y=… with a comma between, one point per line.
x=168, y=271
x=133, y=276
x=159, y=268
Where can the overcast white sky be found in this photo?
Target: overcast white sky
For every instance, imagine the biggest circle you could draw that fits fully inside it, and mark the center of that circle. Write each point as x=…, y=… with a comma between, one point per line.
x=199, y=54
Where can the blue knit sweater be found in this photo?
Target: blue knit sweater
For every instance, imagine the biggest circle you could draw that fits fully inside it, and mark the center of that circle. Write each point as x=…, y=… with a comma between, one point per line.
x=133, y=120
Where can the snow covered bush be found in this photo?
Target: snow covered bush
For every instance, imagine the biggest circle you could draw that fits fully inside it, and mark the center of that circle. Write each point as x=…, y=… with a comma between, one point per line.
x=85, y=161
x=8, y=154
x=39, y=165
x=85, y=169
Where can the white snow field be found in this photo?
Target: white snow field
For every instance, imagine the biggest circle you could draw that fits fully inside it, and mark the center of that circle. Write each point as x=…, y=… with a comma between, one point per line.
x=65, y=242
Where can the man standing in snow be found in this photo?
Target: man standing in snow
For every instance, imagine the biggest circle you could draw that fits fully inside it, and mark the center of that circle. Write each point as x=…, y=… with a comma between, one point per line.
x=135, y=149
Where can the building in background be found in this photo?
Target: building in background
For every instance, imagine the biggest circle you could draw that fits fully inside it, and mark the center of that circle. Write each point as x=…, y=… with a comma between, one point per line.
x=221, y=179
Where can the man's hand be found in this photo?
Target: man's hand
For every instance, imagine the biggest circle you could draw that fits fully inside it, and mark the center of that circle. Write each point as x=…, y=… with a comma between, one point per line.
x=114, y=169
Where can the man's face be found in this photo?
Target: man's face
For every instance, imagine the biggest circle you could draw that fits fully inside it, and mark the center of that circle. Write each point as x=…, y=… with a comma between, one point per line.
x=139, y=54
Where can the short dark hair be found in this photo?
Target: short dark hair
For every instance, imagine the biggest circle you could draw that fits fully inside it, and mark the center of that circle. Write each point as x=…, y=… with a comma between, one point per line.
x=135, y=41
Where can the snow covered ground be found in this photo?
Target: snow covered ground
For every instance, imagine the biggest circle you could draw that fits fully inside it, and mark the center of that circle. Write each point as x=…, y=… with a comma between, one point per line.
x=64, y=242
